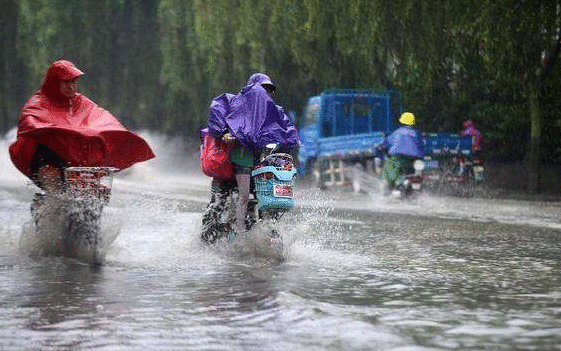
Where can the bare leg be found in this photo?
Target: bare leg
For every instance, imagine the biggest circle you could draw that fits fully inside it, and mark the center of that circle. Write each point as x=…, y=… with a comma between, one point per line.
x=243, y=197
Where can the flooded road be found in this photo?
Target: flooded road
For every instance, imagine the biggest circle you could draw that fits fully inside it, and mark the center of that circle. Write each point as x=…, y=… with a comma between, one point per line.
x=361, y=272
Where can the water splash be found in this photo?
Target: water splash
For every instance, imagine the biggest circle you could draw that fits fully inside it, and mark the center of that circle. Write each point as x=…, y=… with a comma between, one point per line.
x=61, y=227
x=8, y=172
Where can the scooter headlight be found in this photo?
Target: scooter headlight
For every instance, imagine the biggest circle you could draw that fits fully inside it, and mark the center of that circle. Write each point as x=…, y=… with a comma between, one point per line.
x=418, y=165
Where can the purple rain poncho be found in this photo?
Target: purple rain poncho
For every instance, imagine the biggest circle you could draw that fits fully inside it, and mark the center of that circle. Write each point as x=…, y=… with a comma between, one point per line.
x=407, y=141
x=252, y=118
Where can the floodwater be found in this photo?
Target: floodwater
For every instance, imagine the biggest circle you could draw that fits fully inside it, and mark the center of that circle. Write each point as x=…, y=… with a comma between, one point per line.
x=360, y=272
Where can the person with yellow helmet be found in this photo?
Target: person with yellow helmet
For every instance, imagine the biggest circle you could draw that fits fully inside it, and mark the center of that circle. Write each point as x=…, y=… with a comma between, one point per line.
x=404, y=146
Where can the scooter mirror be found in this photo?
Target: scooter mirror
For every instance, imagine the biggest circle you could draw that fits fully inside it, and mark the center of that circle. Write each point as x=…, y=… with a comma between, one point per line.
x=271, y=147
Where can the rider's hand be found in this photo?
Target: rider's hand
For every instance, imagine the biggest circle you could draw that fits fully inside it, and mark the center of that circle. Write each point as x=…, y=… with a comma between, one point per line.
x=228, y=138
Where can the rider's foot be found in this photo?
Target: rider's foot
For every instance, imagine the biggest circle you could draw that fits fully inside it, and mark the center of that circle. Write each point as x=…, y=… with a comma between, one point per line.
x=232, y=236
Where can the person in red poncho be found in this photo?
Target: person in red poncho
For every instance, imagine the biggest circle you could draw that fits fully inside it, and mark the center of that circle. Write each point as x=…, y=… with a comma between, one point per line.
x=59, y=127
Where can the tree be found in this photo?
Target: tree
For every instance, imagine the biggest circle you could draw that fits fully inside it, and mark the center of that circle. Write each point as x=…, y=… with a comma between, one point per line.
x=10, y=81
x=183, y=67
x=520, y=41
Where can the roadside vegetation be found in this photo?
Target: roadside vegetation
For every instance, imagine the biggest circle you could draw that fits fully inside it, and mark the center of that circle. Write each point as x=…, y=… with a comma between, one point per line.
x=157, y=63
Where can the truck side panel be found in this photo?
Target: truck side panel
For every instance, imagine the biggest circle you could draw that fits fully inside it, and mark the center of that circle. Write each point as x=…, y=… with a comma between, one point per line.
x=446, y=143
x=350, y=114
x=350, y=145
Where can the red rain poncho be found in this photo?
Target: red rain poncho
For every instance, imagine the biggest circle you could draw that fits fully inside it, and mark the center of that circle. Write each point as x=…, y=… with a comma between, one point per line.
x=477, y=137
x=76, y=129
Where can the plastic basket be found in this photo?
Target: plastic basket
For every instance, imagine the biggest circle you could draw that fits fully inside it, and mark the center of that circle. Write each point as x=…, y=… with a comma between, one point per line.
x=273, y=193
x=90, y=182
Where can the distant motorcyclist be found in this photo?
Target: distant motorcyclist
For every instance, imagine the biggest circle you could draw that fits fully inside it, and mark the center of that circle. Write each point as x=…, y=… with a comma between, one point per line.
x=471, y=167
x=404, y=146
x=477, y=137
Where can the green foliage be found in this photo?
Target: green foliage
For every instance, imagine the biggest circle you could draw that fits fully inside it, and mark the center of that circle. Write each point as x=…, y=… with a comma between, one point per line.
x=158, y=63
x=10, y=86
x=183, y=65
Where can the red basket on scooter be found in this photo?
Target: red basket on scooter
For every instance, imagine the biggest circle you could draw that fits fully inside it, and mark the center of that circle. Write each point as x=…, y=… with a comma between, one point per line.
x=90, y=182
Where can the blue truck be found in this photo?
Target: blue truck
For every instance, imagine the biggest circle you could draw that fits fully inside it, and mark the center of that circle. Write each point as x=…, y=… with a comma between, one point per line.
x=341, y=129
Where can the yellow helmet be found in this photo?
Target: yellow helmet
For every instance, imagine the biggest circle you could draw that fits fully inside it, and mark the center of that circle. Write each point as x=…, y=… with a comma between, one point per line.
x=407, y=118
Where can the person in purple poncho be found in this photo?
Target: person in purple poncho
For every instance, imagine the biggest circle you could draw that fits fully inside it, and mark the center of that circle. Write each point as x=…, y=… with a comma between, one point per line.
x=404, y=146
x=250, y=120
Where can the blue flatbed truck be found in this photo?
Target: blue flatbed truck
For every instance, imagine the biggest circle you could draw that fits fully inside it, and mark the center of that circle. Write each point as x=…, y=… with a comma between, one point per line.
x=341, y=130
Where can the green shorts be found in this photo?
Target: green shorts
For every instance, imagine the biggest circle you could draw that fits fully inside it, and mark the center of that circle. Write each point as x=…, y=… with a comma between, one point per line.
x=396, y=167
x=243, y=159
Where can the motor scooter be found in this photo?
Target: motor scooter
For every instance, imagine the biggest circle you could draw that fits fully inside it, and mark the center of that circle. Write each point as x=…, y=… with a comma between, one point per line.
x=271, y=196
x=469, y=170
x=463, y=175
x=76, y=212
x=407, y=185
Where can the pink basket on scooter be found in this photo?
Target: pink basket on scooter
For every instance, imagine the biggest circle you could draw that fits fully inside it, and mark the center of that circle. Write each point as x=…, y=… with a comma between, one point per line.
x=90, y=182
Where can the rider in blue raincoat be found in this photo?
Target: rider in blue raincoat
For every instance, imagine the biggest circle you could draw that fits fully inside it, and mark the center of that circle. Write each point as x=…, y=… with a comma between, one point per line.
x=250, y=120
x=404, y=145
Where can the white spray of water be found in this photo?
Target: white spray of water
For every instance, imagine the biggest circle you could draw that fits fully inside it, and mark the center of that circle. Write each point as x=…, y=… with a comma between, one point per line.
x=178, y=168
x=8, y=172
x=151, y=214
x=49, y=233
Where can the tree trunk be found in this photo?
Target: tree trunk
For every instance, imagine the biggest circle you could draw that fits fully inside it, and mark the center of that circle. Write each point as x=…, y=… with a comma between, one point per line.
x=534, y=160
